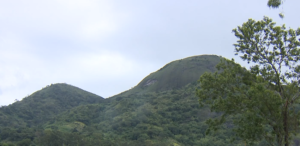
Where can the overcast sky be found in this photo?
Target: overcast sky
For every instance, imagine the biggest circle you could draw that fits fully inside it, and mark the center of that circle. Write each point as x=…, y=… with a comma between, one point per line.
x=108, y=46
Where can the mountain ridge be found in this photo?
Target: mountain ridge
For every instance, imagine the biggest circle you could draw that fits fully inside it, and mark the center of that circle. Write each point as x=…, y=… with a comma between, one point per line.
x=162, y=109
x=48, y=100
x=176, y=74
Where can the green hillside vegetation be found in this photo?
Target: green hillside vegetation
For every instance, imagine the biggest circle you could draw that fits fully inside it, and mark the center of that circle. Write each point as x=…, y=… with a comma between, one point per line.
x=154, y=118
x=166, y=112
x=40, y=107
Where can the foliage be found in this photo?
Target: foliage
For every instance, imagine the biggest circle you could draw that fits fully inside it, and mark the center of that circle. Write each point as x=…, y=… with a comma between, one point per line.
x=140, y=116
x=276, y=4
x=19, y=120
x=143, y=118
x=170, y=117
x=136, y=119
x=262, y=101
x=55, y=138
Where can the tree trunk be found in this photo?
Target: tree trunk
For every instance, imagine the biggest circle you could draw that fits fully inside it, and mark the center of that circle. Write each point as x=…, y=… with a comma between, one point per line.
x=285, y=124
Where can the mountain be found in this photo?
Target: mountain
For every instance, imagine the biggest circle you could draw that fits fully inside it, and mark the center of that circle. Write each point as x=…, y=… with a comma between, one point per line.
x=161, y=110
x=177, y=74
x=155, y=118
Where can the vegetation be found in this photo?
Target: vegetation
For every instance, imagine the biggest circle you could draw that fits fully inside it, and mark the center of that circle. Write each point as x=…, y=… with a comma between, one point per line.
x=144, y=119
x=22, y=119
x=276, y=4
x=263, y=103
x=165, y=117
x=140, y=116
x=258, y=106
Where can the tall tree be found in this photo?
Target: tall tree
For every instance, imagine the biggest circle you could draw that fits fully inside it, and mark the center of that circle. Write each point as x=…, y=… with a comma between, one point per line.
x=262, y=102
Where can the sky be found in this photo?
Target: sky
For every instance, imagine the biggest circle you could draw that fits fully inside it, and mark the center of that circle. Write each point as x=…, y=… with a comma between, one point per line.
x=109, y=46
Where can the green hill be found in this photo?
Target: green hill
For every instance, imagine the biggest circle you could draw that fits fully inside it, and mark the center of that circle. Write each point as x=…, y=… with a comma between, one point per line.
x=42, y=106
x=161, y=110
x=155, y=118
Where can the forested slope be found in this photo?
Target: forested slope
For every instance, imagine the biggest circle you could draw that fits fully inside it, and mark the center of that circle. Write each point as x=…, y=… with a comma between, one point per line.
x=161, y=110
x=154, y=118
x=40, y=107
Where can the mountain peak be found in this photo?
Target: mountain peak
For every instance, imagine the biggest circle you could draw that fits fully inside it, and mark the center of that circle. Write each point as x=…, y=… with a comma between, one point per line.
x=46, y=104
x=178, y=73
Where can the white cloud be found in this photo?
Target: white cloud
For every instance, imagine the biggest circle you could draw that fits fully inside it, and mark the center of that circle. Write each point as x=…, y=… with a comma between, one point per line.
x=14, y=61
x=82, y=19
x=106, y=64
x=92, y=18
x=102, y=65
x=101, y=28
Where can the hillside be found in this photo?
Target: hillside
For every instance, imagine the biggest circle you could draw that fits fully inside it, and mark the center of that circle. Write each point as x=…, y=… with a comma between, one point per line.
x=176, y=74
x=154, y=118
x=161, y=110
x=42, y=106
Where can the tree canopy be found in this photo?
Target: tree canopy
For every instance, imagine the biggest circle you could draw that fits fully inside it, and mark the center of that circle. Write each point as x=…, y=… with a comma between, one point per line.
x=276, y=4
x=263, y=102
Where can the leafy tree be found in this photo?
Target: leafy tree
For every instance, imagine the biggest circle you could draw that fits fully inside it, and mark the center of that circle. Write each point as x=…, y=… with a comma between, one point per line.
x=24, y=142
x=263, y=101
